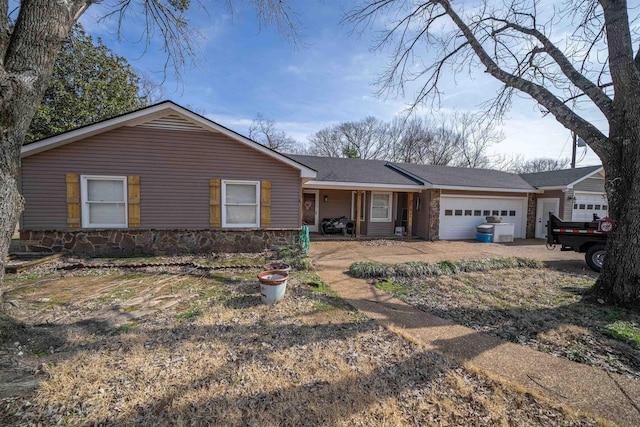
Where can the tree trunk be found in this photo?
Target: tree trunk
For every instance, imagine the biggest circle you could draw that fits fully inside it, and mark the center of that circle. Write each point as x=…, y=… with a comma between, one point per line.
x=39, y=32
x=619, y=280
x=10, y=208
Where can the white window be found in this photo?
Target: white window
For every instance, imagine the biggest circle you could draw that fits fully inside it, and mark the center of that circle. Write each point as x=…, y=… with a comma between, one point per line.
x=363, y=206
x=380, y=207
x=241, y=207
x=104, y=201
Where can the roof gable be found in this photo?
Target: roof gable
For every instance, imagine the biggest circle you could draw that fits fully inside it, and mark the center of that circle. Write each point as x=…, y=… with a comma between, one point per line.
x=165, y=115
x=561, y=178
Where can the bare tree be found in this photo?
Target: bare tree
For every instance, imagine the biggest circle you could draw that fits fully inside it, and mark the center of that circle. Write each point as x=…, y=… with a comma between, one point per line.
x=457, y=139
x=31, y=34
x=264, y=131
x=410, y=140
x=326, y=142
x=364, y=139
x=476, y=135
x=540, y=164
x=593, y=67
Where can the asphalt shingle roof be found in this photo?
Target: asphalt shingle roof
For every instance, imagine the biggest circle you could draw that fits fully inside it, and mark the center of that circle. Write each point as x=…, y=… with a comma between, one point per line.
x=338, y=169
x=466, y=177
x=558, y=178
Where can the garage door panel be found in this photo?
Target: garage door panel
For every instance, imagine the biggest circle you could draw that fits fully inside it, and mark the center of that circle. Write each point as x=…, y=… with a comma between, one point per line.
x=459, y=217
x=587, y=204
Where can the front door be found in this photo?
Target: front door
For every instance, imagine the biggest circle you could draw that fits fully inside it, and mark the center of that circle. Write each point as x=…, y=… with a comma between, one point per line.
x=542, y=215
x=310, y=210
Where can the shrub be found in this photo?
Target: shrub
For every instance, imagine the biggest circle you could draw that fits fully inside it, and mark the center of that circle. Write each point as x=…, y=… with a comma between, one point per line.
x=295, y=258
x=370, y=269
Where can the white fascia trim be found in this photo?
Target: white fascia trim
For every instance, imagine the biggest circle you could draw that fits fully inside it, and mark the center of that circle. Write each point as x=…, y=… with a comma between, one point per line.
x=600, y=169
x=152, y=113
x=322, y=185
x=498, y=190
x=595, y=193
x=556, y=187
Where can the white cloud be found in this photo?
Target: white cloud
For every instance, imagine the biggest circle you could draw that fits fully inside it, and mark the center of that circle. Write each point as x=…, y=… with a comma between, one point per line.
x=292, y=69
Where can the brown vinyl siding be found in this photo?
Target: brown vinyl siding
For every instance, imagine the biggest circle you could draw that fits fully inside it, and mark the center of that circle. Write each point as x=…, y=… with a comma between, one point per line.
x=174, y=167
x=590, y=184
x=338, y=204
x=378, y=229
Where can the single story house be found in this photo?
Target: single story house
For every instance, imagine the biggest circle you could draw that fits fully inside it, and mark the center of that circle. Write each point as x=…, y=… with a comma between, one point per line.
x=433, y=202
x=571, y=194
x=164, y=179
x=158, y=180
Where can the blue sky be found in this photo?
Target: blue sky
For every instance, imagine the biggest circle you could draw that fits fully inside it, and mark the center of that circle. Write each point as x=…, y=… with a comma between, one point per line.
x=243, y=70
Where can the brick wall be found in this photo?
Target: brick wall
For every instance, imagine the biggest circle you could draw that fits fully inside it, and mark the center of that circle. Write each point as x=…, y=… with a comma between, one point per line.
x=434, y=215
x=532, y=199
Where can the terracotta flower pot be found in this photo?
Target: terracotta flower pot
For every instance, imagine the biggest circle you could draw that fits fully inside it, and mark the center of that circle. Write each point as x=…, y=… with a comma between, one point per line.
x=278, y=266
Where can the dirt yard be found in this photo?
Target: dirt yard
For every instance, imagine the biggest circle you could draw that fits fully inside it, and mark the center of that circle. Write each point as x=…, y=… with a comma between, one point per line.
x=176, y=341
x=540, y=308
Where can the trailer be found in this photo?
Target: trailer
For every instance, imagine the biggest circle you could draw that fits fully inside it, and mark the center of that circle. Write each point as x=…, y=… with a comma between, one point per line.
x=589, y=238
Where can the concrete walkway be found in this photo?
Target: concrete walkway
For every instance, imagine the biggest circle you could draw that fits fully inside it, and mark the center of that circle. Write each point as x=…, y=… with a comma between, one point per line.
x=581, y=387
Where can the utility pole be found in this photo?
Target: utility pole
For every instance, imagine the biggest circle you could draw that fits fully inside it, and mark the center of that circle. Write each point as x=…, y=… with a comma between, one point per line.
x=574, y=143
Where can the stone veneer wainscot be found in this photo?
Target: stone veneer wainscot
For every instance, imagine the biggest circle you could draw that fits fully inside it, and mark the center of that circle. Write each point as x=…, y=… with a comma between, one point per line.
x=153, y=242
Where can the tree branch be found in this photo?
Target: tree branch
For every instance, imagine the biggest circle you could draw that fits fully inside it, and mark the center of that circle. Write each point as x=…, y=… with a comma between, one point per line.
x=5, y=31
x=599, y=98
x=624, y=71
x=596, y=139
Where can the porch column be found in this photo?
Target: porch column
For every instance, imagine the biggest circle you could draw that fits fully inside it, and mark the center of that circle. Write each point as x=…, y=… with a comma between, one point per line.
x=358, y=210
x=409, y=214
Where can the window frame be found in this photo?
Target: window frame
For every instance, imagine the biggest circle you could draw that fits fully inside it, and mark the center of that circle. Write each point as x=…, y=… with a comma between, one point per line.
x=363, y=206
x=85, y=202
x=223, y=204
x=372, y=218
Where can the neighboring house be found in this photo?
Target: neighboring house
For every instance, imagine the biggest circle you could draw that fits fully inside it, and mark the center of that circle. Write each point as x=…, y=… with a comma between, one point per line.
x=158, y=180
x=166, y=180
x=571, y=194
x=434, y=202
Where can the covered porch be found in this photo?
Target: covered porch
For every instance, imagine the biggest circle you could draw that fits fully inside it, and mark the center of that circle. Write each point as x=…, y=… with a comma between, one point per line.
x=361, y=213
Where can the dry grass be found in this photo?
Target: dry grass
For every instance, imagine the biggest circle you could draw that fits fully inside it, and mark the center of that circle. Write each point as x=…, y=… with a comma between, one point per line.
x=540, y=308
x=220, y=357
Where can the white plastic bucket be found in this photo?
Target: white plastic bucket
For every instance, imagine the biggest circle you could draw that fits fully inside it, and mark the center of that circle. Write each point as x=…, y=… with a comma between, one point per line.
x=273, y=285
x=271, y=294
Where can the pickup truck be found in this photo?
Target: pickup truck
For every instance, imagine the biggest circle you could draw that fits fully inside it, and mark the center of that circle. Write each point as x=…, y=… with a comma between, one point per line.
x=589, y=238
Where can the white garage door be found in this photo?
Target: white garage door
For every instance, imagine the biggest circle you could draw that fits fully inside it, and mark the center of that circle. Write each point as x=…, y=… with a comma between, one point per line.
x=587, y=204
x=459, y=216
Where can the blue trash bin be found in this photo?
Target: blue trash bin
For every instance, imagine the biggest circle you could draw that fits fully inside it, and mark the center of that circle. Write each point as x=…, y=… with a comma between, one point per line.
x=484, y=237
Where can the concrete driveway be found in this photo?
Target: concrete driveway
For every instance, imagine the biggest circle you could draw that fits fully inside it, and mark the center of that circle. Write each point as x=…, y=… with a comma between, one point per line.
x=341, y=254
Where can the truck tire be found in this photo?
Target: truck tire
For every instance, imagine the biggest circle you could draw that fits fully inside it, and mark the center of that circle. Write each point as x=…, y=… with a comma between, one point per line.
x=595, y=257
